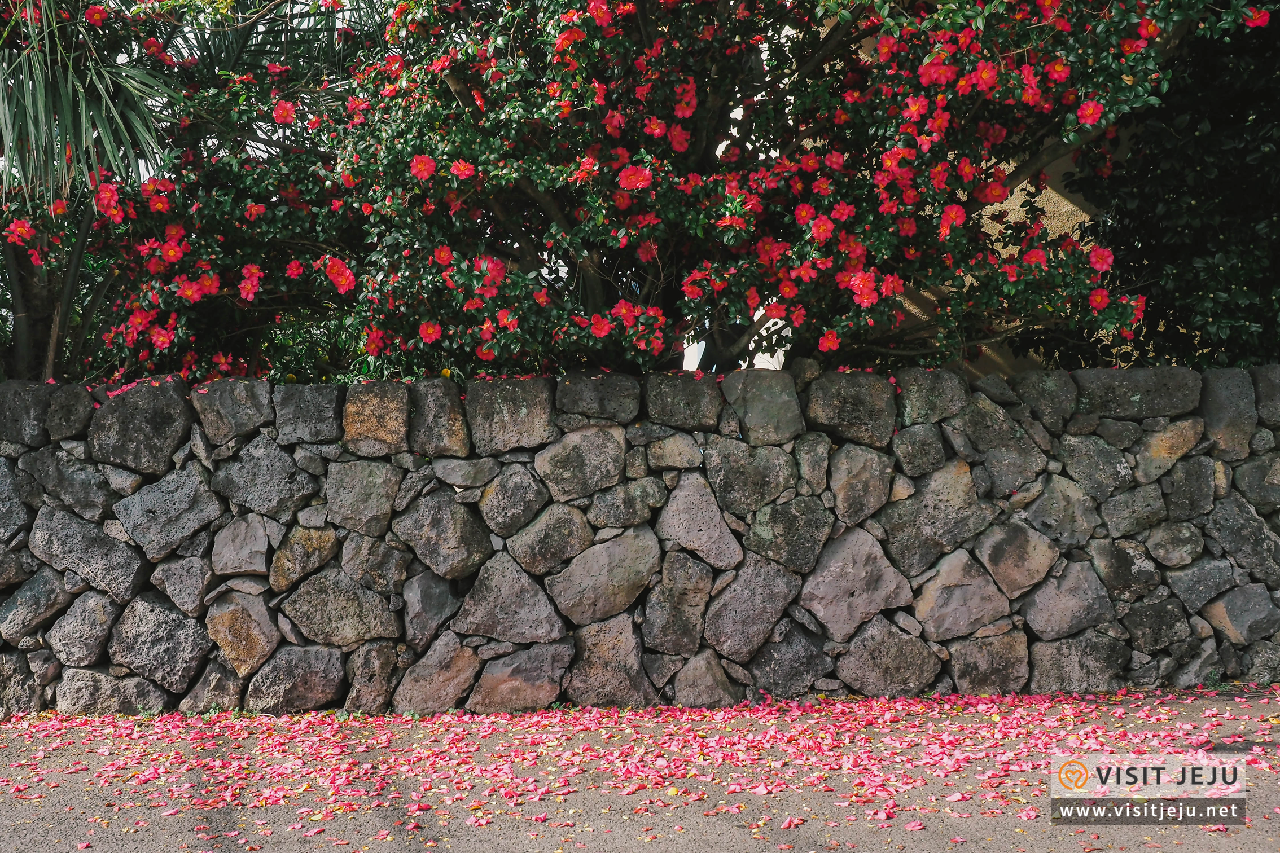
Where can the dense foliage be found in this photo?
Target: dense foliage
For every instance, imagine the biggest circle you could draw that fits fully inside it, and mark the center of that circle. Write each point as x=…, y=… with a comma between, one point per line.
x=1189, y=197
x=520, y=187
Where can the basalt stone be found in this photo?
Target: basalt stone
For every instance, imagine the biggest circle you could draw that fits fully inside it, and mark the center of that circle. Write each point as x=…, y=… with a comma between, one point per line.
x=885, y=661
x=919, y=449
x=766, y=404
x=466, y=473
x=159, y=642
x=527, y=680
x=1012, y=468
x=1064, y=513
x=1227, y=405
x=673, y=612
x=330, y=607
x=682, y=401
x=741, y=617
x=674, y=451
x=80, y=636
x=23, y=408
x=627, y=504
x=512, y=500
x=1266, y=384
x=14, y=514
x=1017, y=556
x=746, y=478
x=1263, y=663
x=296, y=679
x=230, y=408
x=141, y=428
x=1256, y=482
x=928, y=396
x=309, y=413
x=1072, y=601
x=265, y=479
x=1175, y=544
x=79, y=485
x=1137, y=393
x=219, y=687
x=69, y=413
x=1157, y=626
x=371, y=669
x=185, y=580
x=508, y=414
x=661, y=667
x=943, y=512
x=860, y=482
x=584, y=461
x=160, y=516
x=361, y=493
x=1247, y=538
x=852, y=582
x=702, y=683
x=988, y=426
x=448, y=537
x=1051, y=395
x=615, y=396
x=303, y=551
x=1088, y=663
x=240, y=548
x=71, y=544
x=813, y=452
x=375, y=419
x=16, y=567
x=607, y=669
x=792, y=533
x=1135, y=511
x=560, y=533
x=19, y=688
x=1098, y=467
x=694, y=520
x=1201, y=581
x=508, y=605
x=438, y=681
x=429, y=602
x=1124, y=567
x=606, y=578
x=374, y=564
x=1188, y=488
x=1119, y=434
x=1161, y=449
x=959, y=599
x=1244, y=615
x=438, y=426
x=787, y=668
x=855, y=406
x=86, y=692
x=991, y=664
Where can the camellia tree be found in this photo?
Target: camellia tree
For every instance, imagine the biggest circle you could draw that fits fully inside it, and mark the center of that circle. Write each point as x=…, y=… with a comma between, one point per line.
x=524, y=186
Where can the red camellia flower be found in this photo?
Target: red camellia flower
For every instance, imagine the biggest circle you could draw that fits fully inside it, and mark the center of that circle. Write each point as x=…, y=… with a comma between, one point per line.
x=484, y=353
x=19, y=231
x=284, y=112
x=340, y=274
x=252, y=275
x=253, y=211
x=1101, y=259
x=430, y=332
x=422, y=167
x=1099, y=299
x=96, y=15
x=635, y=178
x=1255, y=17
x=829, y=341
x=462, y=169
x=1090, y=112
x=294, y=270
x=443, y=255
x=600, y=326
x=822, y=228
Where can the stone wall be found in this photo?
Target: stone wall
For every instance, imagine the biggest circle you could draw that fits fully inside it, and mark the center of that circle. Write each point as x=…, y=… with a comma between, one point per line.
x=603, y=540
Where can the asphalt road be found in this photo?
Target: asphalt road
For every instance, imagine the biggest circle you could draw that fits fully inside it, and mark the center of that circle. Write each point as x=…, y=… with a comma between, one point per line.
x=562, y=781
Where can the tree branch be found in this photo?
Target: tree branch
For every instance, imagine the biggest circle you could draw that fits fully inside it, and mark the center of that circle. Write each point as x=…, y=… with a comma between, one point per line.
x=592, y=283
